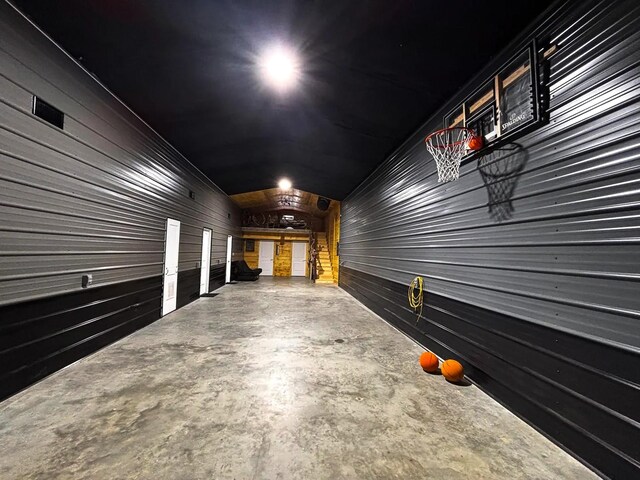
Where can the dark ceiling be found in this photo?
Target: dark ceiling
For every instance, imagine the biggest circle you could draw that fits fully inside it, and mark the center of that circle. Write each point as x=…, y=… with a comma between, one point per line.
x=372, y=72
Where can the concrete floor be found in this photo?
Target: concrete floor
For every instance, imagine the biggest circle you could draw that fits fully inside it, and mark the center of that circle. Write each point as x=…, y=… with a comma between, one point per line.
x=252, y=384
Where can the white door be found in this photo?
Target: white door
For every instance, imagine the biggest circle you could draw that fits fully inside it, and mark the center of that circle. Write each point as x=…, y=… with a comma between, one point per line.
x=265, y=257
x=205, y=262
x=227, y=273
x=299, y=259
x=171, y=249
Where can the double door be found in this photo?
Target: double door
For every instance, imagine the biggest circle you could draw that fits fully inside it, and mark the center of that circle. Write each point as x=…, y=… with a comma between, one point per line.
x=283, y=259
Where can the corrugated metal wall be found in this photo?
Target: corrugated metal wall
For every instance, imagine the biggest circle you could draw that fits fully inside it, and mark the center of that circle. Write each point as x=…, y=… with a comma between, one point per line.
x=560, y=262
x=96, y=195
x=93, y=197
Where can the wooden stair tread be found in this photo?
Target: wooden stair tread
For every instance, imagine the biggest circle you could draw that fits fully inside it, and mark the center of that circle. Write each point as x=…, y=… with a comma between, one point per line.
x=326, y=273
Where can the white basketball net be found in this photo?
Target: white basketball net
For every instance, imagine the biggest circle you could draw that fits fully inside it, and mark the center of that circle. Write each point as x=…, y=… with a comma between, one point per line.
x=448, y=146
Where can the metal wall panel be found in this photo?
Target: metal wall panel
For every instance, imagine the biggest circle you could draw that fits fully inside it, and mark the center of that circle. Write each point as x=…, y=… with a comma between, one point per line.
x=93, y=197
x=567, y=257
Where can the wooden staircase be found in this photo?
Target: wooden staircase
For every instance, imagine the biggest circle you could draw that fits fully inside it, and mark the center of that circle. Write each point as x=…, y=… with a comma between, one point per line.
x=325, y=272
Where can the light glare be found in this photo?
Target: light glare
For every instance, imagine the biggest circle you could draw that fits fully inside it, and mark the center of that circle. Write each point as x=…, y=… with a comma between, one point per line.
x=279, y=67
x=284, y=184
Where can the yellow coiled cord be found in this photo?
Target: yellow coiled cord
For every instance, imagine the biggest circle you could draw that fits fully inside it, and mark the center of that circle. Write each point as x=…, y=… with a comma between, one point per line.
x=416, y=296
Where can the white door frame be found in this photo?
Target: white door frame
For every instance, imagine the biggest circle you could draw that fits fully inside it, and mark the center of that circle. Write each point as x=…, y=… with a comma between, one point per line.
x=170, y=271
x=205, y=261
x=227, y=273
x=263, y=253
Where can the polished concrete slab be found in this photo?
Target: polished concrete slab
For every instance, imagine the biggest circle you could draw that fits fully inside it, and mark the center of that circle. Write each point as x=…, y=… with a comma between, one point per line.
x=278, y=379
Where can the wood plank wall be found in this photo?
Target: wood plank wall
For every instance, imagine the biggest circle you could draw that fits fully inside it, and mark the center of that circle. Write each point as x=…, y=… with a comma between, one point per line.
x=283, y=244
x=252, y=257
x=282, y=259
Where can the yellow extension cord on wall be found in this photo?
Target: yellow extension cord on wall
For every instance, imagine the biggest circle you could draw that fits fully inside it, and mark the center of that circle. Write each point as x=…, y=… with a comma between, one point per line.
x=416, y=299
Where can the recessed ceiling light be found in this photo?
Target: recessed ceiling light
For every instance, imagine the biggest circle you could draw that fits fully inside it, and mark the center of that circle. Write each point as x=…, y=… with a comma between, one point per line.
x=279, y=67
x=284, y=184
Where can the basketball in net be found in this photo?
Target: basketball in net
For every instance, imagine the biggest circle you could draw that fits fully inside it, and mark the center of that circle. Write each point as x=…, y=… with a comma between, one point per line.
x=448, y=146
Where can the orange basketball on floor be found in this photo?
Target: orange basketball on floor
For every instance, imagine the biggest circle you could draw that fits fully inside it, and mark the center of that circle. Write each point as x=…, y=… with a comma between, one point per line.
x=475, y=143
x=452, y=370
x=429, y=362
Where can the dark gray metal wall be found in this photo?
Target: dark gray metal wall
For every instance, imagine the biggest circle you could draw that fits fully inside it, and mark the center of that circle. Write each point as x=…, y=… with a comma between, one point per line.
x=91, y=198
x=542, y=305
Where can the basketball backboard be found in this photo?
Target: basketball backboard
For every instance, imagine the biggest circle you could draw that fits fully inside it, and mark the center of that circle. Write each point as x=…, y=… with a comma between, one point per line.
x=507, y=103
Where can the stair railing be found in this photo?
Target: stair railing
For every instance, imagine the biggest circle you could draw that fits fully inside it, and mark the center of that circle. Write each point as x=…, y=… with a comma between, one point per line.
x=313, y=256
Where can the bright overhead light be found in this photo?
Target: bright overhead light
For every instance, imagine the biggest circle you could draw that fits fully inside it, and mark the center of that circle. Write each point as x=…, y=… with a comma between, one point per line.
x=284, y=184
x=279, y=67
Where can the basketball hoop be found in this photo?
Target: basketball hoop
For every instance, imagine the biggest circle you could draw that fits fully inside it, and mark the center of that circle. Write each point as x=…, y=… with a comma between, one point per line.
x=448, y=146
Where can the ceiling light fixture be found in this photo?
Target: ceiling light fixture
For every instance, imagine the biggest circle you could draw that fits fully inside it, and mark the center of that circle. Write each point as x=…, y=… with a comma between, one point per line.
x=279, y=67
x=284, y=184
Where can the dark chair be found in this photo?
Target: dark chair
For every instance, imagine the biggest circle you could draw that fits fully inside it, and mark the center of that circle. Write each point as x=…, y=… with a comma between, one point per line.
x=240, y=271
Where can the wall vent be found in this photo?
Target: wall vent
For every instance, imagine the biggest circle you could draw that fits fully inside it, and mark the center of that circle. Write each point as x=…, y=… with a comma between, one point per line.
x=47, y=112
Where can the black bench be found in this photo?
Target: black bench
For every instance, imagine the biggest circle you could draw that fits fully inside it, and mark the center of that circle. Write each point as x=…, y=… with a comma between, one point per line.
x=240, y=271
